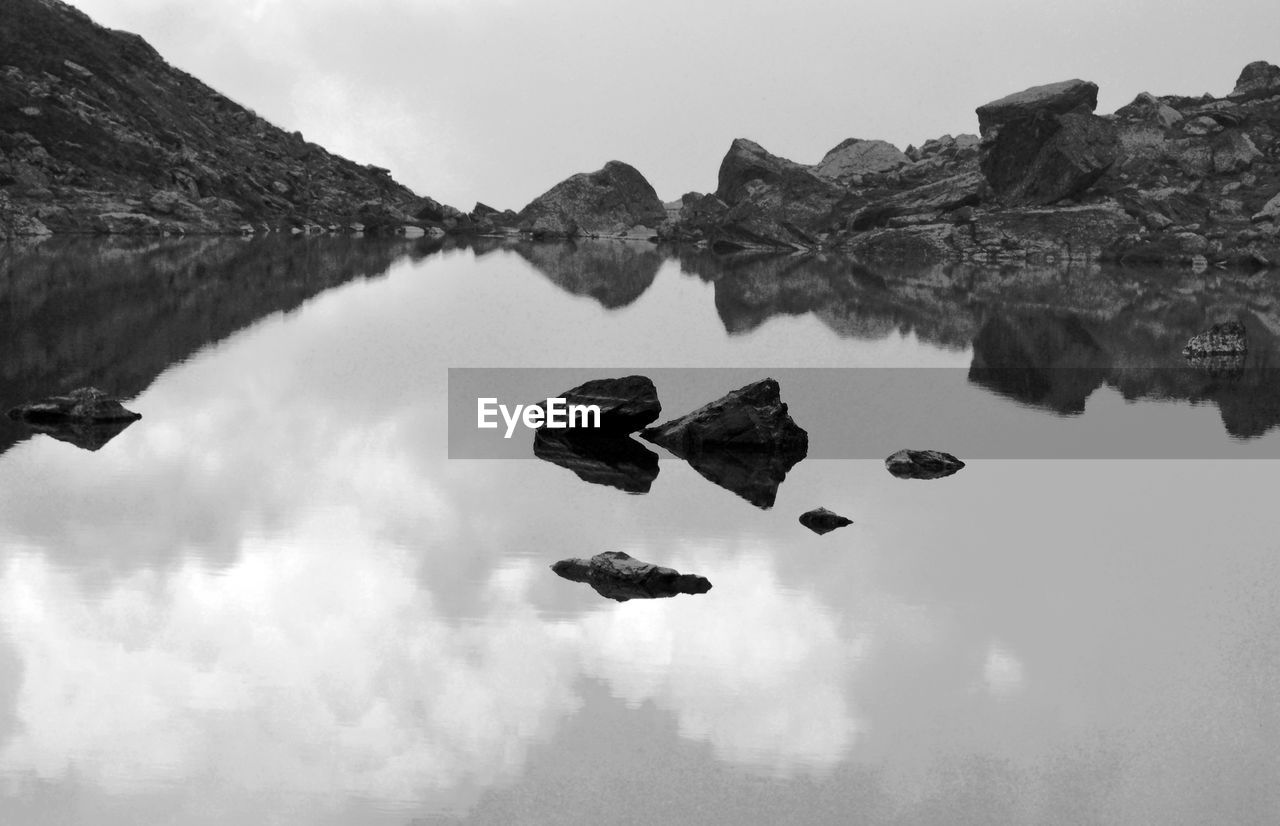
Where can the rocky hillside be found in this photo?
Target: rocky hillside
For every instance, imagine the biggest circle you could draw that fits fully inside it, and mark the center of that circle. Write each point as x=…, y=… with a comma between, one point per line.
x=1193, y=179
x=99, y=134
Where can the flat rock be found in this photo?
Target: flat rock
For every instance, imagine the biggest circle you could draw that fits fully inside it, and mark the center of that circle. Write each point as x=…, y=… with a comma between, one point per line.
x=1051, y=98
x=618, y=576
x=626, y=404
x=821, y=520
x=922, y=464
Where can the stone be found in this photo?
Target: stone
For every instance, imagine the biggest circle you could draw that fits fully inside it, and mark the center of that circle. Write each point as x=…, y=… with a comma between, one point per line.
x=627, y=404
x=1046, y=158
x=1270, y=210
x=1052, y=99
x=1202, y=125
x=821, y=520
x=618, y=576
x=859, y=157
x=1258, y=79
x=1226, y=339
x=608, y=201
x=1233, y=152
x=950, y=193
x=922, y=464
x=751, y=418
x=85, y=404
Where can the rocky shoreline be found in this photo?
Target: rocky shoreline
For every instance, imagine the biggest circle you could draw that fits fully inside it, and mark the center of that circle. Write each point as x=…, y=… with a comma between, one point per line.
x=99, y=135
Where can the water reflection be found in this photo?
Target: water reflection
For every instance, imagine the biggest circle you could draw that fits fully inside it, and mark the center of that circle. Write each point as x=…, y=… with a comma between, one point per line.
x=616, y=461
x=278, y=601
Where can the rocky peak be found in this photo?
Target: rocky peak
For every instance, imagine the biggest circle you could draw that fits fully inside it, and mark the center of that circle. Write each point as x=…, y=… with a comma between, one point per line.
x=1258, y=79
x=1052, y=98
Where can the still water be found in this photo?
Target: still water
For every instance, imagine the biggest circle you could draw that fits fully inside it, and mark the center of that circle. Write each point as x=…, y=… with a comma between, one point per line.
x=276, y=599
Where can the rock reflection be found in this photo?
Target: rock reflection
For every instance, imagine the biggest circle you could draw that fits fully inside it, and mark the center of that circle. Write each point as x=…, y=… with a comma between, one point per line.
x=614, y=273
x=616, y=575
x=601, y=459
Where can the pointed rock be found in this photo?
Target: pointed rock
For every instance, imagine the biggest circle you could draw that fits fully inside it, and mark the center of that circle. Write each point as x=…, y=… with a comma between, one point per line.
x=821, y=520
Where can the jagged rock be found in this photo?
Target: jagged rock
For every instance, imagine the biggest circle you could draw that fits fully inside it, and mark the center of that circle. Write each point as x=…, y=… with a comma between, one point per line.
x=821, y=520
x=85, y=404
x=626, y=404
x=749, y=418
x=772, y=202
x=1270, y=210
x=745, y=441
x=609, y=201
x=1258, y=79
x=1226, y=339
x=1147, y=107
x=1045, y=158
x=859, y=157
x=601, y=459
x=922, y=464
x=618, y=576
x=1050, y=99
x=1233, y=152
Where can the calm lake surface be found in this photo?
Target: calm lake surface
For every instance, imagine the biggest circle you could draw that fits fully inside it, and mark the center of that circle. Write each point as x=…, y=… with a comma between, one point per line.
x=276, y=599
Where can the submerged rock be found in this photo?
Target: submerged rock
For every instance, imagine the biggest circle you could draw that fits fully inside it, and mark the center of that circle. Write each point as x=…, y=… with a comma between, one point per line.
x=601, y=459
x=821, y=520
x=922, y=464
x=85, y=404
x=610, y=201
x=626, y=404
x=749, y=418
x=620, y=577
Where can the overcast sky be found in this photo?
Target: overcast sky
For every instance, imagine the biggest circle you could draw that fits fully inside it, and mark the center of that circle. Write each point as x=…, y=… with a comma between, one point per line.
x=497, y=100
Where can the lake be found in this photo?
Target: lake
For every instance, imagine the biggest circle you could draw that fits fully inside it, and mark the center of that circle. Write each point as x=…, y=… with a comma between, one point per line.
x=293, y=592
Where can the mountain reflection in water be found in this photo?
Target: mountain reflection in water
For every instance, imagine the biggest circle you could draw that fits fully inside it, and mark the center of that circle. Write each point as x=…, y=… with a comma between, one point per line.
x=275, y=599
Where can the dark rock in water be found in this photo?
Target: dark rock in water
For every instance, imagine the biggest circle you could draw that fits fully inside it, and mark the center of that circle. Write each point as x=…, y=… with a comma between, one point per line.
x=821, y=520
x=626, y=404
x=86, y=418
x=611, y=201
x=922, y=464
x=744, y=442
x=601, y=459
x=86, y=404
x=752, y=474
x=749, y=418
x=618, y=576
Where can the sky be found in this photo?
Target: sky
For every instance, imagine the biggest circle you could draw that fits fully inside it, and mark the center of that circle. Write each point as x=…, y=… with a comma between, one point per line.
x=498, y=100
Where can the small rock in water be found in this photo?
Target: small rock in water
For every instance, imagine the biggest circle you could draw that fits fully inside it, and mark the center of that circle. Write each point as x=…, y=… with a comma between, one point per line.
x=86, y=404
x=1227, y=339
x=821, y=520
x=922, y=464
x=621, y=577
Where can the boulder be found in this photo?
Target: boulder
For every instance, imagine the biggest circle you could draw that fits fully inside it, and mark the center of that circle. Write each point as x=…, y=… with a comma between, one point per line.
x=1226, y=339
x=1257, y=80
x=1044, y=158
x=85, y=404
x=821, y=520
x=1148, y=108
x=626, y=404
x=1050, y=99
x=859, y=157
x=1270, y=210
x=922, y=464
x=947, y=194
x=609, y=201
x=1233, y=151
x=618, y=576
x=600, y=459
x=751, y=418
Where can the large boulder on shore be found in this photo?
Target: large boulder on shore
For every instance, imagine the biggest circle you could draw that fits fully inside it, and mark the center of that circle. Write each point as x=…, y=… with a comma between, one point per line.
x=620, y=577
x=610, y=201
x=1257, y=80
x=856, y=157
x=1045, y=144
x=751, y=418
